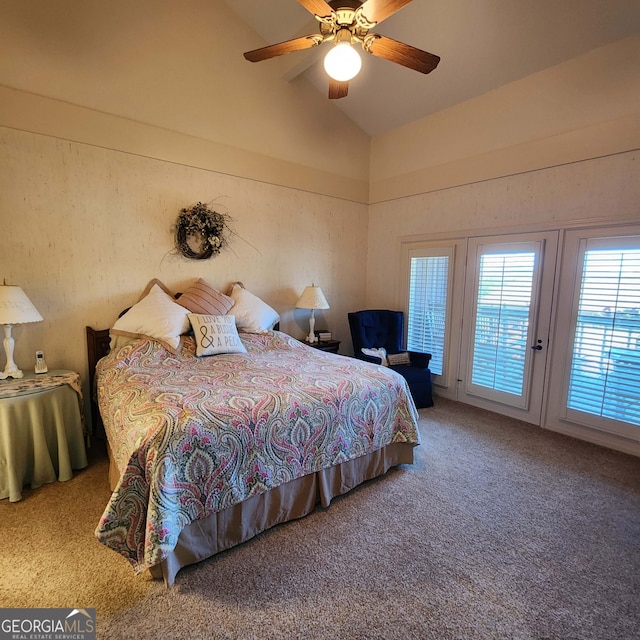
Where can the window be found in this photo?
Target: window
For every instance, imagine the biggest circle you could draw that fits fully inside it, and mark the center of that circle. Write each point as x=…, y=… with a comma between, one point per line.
x=505, y=282
x=604, y=378
x=541, y=325
x=427, y=318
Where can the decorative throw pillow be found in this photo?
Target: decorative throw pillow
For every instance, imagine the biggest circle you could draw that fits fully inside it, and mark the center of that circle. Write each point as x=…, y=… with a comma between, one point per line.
x=202, y=298
x=398, y=358
x=252, y=314
x=155, y=316
x=215, y=334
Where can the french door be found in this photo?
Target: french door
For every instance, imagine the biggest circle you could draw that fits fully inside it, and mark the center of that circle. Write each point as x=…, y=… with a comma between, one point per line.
x=506, y=321
x=594, y=376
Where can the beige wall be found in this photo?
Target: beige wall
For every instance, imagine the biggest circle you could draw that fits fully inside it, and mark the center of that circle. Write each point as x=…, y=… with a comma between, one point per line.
x=589, y=191
x=179, y=67
x=30, y=112
x=85, y=228
x=585, y=108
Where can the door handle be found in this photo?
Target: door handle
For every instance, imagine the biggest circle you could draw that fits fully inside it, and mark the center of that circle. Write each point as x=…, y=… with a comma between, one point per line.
x=538, y=347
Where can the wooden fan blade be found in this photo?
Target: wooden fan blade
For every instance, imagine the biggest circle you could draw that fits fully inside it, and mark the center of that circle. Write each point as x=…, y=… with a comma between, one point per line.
x=379, y=10
x=403, y=54
x=337, y=89
x=297, y=44
x=317, y=7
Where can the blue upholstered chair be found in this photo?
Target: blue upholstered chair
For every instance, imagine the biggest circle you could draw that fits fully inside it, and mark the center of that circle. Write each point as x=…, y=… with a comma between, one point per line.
x=382, y=328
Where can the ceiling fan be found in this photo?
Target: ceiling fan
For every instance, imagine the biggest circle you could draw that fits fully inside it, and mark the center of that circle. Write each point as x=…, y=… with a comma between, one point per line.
x=345, y=23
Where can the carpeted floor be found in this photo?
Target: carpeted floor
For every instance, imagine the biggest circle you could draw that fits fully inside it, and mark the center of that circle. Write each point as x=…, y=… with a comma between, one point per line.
x=500, y=530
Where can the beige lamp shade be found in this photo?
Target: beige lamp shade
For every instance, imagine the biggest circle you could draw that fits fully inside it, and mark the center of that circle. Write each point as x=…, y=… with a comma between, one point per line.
x=312, y=298
x=15, y=308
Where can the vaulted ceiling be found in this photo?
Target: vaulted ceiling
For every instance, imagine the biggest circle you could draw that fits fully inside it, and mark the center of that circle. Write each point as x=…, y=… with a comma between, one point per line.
x=483, y=44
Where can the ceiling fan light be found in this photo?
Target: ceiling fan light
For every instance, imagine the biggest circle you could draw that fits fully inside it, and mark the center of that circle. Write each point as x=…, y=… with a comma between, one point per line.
x=342, y=63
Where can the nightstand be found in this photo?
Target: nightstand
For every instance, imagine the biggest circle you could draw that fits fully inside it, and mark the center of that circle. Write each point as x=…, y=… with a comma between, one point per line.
x=41, y=431
x=330, y=346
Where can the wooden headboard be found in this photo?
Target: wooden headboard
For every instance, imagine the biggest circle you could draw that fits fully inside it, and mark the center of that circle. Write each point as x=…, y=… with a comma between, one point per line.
x=98, y=346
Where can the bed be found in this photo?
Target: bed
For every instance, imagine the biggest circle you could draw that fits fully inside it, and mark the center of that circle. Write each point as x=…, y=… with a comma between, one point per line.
x=207, y=452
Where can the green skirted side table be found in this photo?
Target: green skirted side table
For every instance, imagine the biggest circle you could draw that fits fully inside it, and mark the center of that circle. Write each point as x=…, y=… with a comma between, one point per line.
x=42, y=432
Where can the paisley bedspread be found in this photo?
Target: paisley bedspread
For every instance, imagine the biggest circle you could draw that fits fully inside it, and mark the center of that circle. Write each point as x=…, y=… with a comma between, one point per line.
x=192, y=436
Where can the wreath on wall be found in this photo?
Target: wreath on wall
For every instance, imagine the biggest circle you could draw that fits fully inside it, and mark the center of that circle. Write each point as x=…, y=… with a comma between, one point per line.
x=200, y=232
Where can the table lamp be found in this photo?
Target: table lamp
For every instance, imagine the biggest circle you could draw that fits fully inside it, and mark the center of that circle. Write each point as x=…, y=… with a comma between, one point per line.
x=15, y=308
x=312, y=298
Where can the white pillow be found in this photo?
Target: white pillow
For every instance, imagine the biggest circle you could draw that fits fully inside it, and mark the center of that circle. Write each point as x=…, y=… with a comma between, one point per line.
x=156, y=316
x=215, y=334
x=252, y=314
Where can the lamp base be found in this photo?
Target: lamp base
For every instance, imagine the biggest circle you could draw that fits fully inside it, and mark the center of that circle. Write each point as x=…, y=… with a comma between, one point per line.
x=311, y=338
x=13, y=373
x=11, y=369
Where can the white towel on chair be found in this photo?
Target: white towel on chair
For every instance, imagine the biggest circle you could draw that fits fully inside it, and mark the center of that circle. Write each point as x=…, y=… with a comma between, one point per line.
x=380, y=352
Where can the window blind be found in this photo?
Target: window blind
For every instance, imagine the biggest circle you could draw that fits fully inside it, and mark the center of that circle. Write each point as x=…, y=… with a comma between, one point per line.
x=605, y=367
x=502, y=321
x=427, y=314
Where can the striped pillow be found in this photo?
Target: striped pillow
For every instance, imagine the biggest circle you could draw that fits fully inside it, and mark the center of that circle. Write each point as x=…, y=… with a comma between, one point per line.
x=202, y=298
